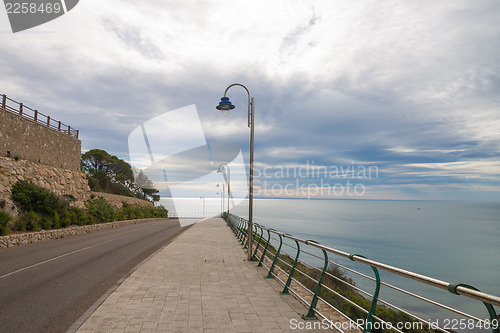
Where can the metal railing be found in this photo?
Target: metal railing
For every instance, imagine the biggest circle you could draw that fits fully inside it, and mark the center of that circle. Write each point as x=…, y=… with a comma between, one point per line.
x=194, y=215
x=36, y=116
x=290, y=271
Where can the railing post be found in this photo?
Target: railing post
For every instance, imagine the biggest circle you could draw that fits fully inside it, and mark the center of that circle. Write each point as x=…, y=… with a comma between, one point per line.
x=35, y=117
x=271, y=269
x=238, y=227
x=242, y=229
x=373, y=306
x=69, y=130
x=59, y=126
x=48, y=121
x=452, y=288
x=20, y=109
x=237, y=223
x=232, y=223
x=260, y=240
x=4, y=100
x=253, y=236
x=229, y=222
x=249, y=236
x=265, y=249
x=292, y=270
x=310, y=314
x=245, y=234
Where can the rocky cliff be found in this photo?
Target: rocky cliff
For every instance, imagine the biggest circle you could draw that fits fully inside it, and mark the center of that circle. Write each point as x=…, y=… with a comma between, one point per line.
x=56, y=180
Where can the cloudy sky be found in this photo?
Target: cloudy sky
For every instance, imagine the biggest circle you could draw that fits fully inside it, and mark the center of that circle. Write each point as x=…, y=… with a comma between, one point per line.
x=409, y=89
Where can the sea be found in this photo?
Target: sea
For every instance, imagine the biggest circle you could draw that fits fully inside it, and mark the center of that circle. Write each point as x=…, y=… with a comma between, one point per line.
x=455, y=242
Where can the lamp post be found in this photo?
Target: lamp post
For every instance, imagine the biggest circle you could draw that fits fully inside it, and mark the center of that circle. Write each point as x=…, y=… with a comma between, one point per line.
x=225, y=106
x=221, y=197
x=228, y=184
x=203, y=216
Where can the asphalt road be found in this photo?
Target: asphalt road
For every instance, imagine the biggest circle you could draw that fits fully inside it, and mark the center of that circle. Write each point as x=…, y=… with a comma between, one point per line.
x=46, y=286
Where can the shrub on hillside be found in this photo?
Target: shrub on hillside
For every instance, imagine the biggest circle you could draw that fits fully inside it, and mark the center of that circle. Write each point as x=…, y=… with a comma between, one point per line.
x=160, y=212
x=79, y=216
x=100, y=210
x=36, y=199
x=29, y=221
x=44, y=210
x=130, y=212
x=56, y=221
x=4, y=223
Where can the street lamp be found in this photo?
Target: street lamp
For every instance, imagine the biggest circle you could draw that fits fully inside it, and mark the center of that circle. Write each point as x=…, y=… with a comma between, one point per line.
x=228, y=184
x=203, y=216
x=226, y=106
x=221, y=197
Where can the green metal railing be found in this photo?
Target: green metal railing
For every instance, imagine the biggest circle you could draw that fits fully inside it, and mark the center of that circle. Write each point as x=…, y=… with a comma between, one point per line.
x=281, y=263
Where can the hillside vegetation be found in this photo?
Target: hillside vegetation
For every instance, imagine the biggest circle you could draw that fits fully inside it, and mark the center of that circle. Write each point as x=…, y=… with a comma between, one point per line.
x=42, y=209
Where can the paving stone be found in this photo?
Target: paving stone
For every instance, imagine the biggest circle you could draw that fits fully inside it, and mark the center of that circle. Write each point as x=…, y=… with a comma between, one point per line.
x=201, y=282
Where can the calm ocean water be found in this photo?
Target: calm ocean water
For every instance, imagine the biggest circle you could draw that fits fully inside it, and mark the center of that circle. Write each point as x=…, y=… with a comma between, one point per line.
x=450, y=241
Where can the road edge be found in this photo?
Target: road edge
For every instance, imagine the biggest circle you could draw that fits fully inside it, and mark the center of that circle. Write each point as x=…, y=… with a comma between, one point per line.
x=79, y=322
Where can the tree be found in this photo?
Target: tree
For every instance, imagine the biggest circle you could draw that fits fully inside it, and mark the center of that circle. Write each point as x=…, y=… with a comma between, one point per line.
x=95, y=160
x=146, y=186
x=108, y=173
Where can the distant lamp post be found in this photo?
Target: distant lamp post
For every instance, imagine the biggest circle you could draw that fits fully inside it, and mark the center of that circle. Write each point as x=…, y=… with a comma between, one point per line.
x=203, y=213
x=221, y=197
x=228, y=184
x=225, y=106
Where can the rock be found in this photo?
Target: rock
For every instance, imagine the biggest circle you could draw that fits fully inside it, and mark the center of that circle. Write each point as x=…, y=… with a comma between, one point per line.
x=59, y=181
x=8, y=206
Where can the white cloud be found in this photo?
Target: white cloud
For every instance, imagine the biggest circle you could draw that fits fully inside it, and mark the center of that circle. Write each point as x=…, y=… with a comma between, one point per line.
x=364, y=81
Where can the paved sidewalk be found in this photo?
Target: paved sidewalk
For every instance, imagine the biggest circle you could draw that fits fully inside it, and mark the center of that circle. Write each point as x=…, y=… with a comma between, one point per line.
x=201, y=282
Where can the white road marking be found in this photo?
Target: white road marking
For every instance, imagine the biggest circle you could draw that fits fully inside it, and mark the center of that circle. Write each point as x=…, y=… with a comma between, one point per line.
x=58, y=257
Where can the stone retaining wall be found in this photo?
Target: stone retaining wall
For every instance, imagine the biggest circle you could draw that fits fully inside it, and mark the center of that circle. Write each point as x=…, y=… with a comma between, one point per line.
x=117, y=200
x=33, y=237
x=56, y=180
x=25, y=139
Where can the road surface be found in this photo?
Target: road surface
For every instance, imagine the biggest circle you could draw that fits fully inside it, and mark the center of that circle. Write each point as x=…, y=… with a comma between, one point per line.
x=46, y=286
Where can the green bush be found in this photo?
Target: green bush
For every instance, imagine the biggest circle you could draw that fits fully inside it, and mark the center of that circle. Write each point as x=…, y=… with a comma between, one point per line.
x=46, y=223
x=129, y=212
x=33, y=198
x=160, y=212
x=101, y=211
x=56, y=221
x=78, y=216
x=19, y=224
x=29, y=221
x=4, y=223
x=44, y=210
x=65, y=219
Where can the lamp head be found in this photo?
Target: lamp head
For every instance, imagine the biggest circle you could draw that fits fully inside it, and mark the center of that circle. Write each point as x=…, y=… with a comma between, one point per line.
x=225, y=106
